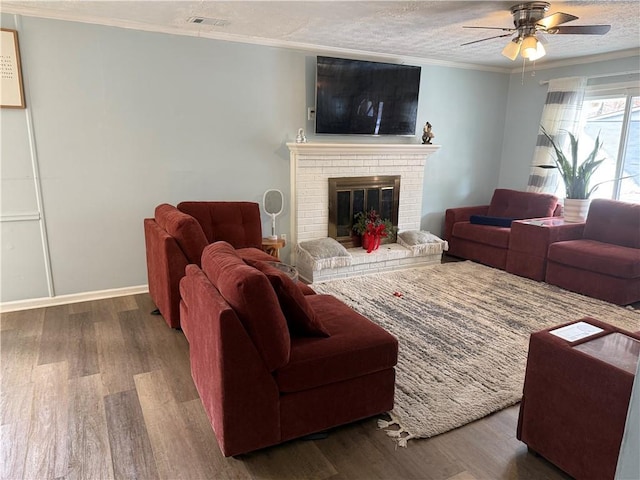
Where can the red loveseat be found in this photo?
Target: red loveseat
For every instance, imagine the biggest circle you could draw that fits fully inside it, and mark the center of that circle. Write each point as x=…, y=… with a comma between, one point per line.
x=487, y=241
x=603, y=260
x=262, y=363
x=176, y=237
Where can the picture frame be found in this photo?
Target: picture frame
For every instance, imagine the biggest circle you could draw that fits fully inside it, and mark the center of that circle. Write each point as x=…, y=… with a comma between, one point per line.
x=11, y=86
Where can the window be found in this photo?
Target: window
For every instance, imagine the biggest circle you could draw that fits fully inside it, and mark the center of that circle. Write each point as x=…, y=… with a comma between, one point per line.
x=615, y=115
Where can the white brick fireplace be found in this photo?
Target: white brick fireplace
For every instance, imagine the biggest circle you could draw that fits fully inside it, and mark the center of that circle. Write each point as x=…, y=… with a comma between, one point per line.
x=312, y=164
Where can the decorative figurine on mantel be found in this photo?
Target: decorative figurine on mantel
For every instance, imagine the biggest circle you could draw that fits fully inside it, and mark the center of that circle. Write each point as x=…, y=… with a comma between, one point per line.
x=301, y=138
x=427, y=135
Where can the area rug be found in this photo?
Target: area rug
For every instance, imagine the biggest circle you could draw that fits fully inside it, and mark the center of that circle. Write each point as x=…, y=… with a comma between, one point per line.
x=463, y=331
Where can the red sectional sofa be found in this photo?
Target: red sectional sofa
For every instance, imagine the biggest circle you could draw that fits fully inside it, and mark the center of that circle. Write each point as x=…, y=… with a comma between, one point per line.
x=603, y=258
x=481, y=233
x=261, y=359
x=176, y=237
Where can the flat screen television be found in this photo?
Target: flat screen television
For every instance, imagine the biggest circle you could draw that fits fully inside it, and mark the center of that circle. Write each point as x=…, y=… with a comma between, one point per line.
x=355, y=97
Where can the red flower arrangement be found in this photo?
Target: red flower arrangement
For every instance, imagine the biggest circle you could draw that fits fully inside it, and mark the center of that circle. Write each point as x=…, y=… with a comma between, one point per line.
x=372, y=229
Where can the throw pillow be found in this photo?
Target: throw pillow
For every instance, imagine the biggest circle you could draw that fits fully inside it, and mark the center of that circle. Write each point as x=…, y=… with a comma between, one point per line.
x=421, y=242
x=301, y=319
x=493, y=221
x=323, y=253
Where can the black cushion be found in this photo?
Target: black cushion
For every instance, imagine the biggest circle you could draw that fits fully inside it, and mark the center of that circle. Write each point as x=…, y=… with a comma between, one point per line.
x=494, y=221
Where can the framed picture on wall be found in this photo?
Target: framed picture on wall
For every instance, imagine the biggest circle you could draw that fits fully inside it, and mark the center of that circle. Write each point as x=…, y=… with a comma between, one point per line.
x=11, y=91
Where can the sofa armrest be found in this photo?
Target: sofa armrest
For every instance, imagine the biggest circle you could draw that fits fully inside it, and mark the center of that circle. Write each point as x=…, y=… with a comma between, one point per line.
x=461, y=214
x=165, y=267
x=237, y=391
x=568, y=231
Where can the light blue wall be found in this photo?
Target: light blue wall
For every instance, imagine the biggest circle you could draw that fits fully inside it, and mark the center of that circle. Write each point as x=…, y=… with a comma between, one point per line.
x=524, y=109
x=124, y=120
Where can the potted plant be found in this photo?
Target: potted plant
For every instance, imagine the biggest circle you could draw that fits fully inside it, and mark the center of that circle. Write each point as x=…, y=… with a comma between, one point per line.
x=576, y=177
x=372, y=229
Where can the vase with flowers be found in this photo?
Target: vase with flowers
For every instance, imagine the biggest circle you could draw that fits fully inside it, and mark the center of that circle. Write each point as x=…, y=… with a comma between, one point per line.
x=372, y=229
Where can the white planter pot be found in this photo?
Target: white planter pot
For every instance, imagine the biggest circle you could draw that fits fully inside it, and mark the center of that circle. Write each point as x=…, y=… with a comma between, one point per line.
x=575, y=210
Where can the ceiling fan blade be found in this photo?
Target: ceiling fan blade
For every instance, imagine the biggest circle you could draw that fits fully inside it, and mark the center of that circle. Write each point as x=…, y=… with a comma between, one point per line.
x=485, y=39
x=495, y=28
x=555, y=19
x=580, y=30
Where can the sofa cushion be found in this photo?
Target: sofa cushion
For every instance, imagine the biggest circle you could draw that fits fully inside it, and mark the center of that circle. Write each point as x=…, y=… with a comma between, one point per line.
x=184, y=229
x=237, y=223
x=519, y=205
x=494, y=221
x=356, y=347
x=486, y=234
x=301, y=318
x=255, y=254
x=605, y=258
x=253, y=299
x=615, y=222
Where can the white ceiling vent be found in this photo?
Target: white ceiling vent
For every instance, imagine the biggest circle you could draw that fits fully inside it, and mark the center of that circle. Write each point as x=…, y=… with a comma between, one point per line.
x=216, y=22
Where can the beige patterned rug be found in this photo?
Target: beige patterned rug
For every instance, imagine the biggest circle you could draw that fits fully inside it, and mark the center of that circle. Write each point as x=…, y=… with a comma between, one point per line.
x=463, y=330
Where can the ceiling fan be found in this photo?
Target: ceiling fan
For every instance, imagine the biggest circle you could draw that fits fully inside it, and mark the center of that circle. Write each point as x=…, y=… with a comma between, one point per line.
x=530, y=26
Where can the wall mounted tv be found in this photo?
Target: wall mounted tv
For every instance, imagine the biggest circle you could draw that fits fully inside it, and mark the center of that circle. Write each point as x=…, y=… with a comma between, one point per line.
x=355, y=97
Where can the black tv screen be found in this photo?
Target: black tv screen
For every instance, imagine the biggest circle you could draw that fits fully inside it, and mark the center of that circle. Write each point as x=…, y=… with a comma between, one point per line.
x=355, y=97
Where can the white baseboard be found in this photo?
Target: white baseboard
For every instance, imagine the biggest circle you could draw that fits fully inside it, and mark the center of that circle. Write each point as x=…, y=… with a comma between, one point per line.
x=71, y=298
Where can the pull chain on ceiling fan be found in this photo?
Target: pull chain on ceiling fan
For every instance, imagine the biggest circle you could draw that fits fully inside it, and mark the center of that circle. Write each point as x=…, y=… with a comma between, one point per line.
x=529, y=21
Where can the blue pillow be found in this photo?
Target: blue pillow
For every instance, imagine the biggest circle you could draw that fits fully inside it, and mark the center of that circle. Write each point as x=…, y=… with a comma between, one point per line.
x=494, y=221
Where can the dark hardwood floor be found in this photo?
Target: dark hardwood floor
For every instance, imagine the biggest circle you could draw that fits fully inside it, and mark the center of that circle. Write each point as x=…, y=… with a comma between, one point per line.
x=103, y=389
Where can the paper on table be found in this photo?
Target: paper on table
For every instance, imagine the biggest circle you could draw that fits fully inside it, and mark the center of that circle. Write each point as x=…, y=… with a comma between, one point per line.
x=576, y=331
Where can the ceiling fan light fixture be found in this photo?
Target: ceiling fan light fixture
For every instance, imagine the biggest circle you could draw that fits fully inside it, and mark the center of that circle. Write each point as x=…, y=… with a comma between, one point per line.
x=512, y=49
x=540, y=52
x=530, y=47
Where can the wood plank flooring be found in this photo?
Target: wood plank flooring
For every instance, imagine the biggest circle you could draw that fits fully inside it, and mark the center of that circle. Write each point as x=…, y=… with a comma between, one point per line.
x=103, y=390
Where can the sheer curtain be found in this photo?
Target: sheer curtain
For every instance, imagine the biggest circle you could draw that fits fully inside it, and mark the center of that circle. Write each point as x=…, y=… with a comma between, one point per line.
x=561, y=113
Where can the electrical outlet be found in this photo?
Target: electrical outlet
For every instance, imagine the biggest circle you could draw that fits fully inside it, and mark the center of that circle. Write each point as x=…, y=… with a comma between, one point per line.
x=311, y=113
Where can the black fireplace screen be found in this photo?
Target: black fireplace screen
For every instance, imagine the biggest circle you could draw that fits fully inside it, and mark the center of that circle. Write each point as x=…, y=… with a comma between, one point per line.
x=350, y=195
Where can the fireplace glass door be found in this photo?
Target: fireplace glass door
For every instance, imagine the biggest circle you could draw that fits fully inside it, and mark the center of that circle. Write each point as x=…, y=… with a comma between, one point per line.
x=351, y=195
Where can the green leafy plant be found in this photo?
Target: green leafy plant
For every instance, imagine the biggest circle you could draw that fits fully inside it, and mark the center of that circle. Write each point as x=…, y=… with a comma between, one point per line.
x=576, y=177
x=371, y=222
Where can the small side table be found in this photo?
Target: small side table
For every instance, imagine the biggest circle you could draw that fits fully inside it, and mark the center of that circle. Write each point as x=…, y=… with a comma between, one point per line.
x=529, y=241
x=272, y=247
x=576, y=396
x=288, y=270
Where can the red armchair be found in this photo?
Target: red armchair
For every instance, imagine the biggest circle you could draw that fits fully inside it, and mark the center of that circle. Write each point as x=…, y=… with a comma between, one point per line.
x=488, y=243
x=262, y=385
x=603, y=259
x=176, y=237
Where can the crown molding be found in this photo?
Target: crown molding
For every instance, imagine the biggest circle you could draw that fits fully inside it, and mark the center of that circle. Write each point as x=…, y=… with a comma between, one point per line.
x=602, y=57
x=190, y=31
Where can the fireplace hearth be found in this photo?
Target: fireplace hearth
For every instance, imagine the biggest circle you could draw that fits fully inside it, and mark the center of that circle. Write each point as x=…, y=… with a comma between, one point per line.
x=350, y=195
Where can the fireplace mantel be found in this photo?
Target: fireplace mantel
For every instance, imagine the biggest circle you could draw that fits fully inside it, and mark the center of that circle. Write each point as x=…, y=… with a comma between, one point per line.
x=312, y=164
x=361, y=148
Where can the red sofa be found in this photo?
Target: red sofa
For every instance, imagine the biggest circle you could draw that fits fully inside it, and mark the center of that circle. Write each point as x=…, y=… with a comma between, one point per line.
x=487, y=241
x=603, y=259
x=261, y=377
x=176, y=237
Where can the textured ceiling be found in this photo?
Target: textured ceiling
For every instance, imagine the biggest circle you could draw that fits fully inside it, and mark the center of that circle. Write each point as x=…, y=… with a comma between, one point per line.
x=426, y=30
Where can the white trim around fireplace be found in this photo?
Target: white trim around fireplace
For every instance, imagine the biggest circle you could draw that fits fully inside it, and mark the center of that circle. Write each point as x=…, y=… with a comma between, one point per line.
x=312, y=164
